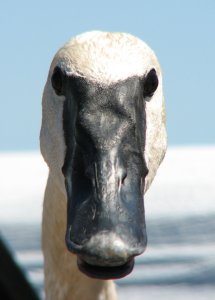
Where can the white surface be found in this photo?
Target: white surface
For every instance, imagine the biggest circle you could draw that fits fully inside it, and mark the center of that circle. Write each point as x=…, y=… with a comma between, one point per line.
x=23, y=178
x=184, y=185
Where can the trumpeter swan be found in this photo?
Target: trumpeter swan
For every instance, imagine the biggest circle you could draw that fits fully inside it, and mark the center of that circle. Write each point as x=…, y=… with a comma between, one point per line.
x=103, y=137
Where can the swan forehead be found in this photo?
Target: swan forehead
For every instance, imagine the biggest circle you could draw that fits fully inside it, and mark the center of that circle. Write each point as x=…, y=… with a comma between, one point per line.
x=106, y=57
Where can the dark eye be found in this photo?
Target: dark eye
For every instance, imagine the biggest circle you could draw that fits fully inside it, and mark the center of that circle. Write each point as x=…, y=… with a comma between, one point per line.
x=57, y=81
x=150, y=84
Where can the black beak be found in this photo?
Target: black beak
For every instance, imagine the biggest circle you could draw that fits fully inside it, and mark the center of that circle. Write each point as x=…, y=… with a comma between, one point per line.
x=105, y=273
x=106, y=223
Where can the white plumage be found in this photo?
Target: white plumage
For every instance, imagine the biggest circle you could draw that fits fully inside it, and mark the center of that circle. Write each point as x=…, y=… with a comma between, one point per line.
x=105, y=57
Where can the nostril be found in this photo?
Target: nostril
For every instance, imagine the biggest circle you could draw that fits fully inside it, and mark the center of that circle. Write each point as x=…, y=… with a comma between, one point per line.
x=123, y=178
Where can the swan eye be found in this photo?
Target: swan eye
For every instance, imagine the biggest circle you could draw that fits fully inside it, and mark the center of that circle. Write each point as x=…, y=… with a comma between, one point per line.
x=57, y=81
x=150, y=84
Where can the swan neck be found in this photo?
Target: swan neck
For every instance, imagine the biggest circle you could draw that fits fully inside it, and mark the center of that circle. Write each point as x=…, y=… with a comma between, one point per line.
x=63, y=280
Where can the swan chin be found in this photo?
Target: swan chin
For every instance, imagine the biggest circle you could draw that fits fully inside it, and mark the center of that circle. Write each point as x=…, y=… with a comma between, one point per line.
x=105, y=273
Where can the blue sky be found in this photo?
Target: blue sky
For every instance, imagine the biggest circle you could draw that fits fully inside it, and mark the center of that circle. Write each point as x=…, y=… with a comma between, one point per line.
x=180, y=32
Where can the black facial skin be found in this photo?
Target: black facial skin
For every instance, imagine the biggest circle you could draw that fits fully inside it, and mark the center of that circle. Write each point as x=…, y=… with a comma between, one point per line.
x=105, y=170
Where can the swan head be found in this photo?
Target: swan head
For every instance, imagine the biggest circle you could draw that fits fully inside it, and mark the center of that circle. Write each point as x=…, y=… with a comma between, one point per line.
x=103, y=137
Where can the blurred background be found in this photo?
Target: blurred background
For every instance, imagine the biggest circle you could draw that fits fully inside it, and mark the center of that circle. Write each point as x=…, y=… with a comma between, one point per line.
x=179, y=262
